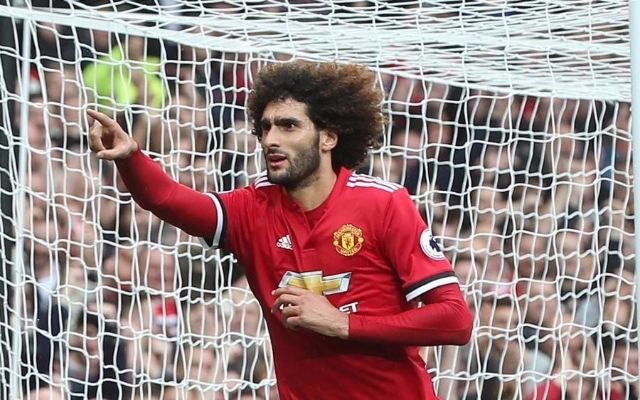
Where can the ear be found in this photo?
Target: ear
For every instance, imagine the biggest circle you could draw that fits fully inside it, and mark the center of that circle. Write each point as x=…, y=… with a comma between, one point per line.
x=328, y=140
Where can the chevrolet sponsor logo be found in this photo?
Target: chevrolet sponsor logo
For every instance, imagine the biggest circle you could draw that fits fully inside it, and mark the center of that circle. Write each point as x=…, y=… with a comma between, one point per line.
x=314, y=282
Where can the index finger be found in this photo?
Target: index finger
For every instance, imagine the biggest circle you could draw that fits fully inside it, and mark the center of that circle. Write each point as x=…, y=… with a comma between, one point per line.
x=284, y=301
x=102, y=118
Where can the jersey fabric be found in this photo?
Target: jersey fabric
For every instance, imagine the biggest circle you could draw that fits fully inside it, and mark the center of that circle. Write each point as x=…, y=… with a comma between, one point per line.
x=369, y=253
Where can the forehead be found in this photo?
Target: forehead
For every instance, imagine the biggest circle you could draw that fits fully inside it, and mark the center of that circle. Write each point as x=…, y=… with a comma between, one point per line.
x=286, y=108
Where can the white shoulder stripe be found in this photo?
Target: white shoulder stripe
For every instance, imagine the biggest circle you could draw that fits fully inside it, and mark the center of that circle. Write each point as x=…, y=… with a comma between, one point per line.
x=419, y=291
x=262, y=181
x=263, y=184
x=367, y=178
x=370, y=185
x=220, y=222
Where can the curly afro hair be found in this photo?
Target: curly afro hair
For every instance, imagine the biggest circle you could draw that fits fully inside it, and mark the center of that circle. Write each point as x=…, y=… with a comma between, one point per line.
x=342, y=98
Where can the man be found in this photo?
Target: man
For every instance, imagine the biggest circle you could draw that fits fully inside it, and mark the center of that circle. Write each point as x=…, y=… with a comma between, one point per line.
x=336, y=259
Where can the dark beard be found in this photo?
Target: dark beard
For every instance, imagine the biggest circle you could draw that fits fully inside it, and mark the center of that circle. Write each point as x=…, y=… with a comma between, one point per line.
x=300, y=168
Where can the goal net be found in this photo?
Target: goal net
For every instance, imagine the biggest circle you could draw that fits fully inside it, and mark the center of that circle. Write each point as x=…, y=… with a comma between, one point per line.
x=510, y=129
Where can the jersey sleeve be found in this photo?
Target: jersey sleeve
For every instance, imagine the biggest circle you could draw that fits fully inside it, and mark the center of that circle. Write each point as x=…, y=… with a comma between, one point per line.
x=234, y=210
x=204, y=215
x=215, y=240
x=411, y=248
x=444, y=319
x=170, y=201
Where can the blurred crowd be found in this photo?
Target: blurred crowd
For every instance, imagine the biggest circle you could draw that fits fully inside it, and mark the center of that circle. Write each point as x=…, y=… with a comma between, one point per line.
x=531, y=198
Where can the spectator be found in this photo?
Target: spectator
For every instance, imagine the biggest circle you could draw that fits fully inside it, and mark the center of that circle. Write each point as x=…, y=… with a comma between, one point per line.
x=46, y=392
x=576, y=267
x=498, y=346
x=617, y=314
x=200, y=372
x=98, y=361
x=624, y=366
x=126, y=76
x=64, y=97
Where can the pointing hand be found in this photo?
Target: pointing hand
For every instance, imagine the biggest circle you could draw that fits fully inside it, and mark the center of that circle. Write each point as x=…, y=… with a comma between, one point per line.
x=108, y=140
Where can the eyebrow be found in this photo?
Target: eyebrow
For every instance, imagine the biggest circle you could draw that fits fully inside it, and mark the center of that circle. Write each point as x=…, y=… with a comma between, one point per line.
x=282, y=121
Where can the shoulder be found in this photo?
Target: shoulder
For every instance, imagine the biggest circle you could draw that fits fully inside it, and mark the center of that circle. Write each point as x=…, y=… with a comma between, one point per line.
x=372, y=186
x=261, y=188
x=385, y=197
x=262, y=184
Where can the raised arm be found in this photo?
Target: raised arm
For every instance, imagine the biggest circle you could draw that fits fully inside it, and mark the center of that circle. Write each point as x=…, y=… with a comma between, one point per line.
x=150, y=186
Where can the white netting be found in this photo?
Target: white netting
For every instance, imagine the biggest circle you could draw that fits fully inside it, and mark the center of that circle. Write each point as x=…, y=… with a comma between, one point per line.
x=510, y=129
x=560, y=48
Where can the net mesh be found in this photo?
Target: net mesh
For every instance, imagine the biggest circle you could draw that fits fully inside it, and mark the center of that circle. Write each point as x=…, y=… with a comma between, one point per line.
x=510, y=130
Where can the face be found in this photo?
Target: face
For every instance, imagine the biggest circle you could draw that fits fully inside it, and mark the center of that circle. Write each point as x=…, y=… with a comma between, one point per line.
x=157, y=269
x=203, y=364
x=291, y=144
x=532, y=250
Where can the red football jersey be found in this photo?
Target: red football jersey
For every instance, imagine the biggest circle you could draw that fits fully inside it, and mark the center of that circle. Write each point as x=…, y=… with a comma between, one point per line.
x=369, y=253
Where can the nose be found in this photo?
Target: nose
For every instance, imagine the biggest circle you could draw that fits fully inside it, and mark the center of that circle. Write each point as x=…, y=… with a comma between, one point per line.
x=269, y=138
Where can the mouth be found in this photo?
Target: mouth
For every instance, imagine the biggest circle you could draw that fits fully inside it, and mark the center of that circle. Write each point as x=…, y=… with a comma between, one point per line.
x=275, y=160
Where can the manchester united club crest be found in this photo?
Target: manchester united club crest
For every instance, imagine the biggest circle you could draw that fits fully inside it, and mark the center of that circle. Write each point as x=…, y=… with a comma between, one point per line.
x=348, y=240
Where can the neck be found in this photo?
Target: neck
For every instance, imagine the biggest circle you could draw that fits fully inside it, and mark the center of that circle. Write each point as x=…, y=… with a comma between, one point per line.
x=315, y=189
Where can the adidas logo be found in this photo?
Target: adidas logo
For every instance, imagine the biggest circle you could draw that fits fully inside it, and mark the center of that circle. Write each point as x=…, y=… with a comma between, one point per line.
x=285, y=243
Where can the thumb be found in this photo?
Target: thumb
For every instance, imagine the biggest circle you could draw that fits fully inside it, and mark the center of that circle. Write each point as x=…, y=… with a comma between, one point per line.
x=110, y=154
